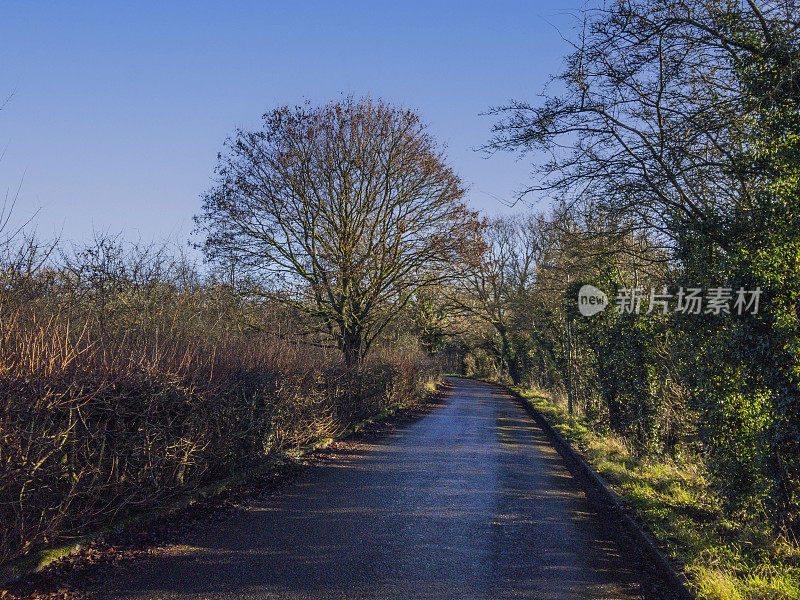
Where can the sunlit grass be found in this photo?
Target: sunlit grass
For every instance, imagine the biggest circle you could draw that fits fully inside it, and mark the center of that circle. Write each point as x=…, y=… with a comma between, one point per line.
x=725, y=558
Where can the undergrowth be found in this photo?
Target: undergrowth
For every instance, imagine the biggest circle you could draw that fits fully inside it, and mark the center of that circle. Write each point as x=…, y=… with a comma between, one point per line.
x=727, y=556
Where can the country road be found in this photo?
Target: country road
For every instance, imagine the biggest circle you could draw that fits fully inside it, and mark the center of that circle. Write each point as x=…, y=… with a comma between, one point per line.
x=469, y=502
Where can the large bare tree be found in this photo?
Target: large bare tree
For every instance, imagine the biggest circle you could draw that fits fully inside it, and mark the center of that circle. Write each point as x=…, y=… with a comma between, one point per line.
x=350, y=206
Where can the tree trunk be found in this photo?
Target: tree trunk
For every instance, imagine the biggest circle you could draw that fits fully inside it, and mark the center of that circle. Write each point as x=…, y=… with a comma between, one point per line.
x=350, y=345
x=509, y=357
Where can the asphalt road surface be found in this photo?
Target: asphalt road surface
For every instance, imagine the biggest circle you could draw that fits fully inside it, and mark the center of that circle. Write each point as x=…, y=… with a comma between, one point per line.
x=471, y=501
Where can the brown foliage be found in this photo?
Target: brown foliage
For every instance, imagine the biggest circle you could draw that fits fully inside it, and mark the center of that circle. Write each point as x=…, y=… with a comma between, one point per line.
x=352, y=202
x=118, y=392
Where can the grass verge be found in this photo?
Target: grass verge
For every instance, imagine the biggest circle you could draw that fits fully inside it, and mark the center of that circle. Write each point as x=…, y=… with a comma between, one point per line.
x=725, y=558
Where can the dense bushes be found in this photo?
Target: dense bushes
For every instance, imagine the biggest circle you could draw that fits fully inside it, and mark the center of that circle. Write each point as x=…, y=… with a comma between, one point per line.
x=677, y=411
x=125, y=380
x=672, y=141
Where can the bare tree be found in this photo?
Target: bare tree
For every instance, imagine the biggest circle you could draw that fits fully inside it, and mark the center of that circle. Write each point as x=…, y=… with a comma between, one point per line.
x=350, y=205
x=491, y=289
x=650, y=123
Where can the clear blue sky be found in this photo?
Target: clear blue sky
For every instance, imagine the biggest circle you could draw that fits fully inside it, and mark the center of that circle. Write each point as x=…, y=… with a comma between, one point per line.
x=120, y=108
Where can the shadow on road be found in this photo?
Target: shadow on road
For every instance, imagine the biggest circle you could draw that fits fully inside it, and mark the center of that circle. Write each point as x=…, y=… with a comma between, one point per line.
x=469, y=502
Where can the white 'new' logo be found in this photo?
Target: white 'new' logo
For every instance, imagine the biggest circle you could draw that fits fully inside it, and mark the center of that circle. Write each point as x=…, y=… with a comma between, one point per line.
x=591, y=300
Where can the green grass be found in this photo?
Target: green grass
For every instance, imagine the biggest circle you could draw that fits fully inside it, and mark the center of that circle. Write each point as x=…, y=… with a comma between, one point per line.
x=725, y=558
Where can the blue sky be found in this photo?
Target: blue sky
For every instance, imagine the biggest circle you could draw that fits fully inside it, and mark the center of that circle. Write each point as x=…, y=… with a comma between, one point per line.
x=119, y=109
